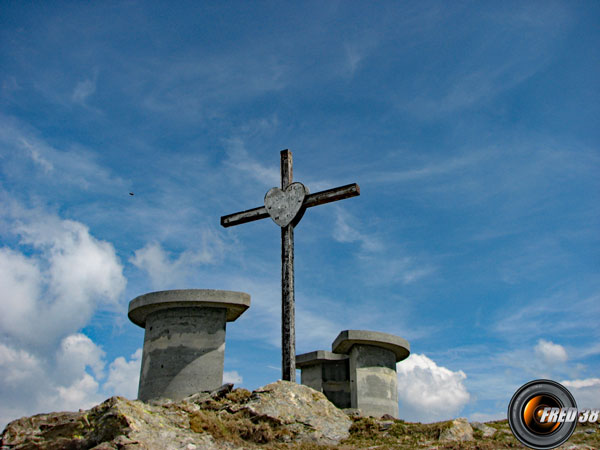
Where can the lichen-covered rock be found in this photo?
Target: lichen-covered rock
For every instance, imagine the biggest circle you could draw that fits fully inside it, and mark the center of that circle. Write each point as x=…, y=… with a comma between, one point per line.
x=115, y=423
x=486, y=430
x=222, y=419
x=278, y=416
x=460, y=430
x=48, y=431
x=303, y=410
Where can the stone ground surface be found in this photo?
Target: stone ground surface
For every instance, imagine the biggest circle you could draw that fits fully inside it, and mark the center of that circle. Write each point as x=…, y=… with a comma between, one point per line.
x=281, y=415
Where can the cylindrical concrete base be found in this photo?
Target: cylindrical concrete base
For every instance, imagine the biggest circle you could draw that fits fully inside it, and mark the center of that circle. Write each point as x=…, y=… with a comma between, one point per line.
x=184, y=350
x=184, y=342
x=373, y=380
x=372, y=367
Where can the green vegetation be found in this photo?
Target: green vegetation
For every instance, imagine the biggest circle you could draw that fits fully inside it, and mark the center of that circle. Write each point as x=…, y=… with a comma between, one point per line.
x=225, y=421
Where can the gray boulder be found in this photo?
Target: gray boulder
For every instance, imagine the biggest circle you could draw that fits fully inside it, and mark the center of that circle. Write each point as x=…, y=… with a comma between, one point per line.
x=117, y=423
x=486, y=430
x=460, y=430
x=301, y=409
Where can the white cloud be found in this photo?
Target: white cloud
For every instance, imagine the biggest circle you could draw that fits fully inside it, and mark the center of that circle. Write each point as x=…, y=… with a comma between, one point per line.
x=544, y=360
x=62, y=169
x=38, y=383
x=20, y=285
x=55, y=290
x=36, y=156
x=35, y=382
x=23, y=374
x=82, y=394
x=353, y=59
x=163, y=272
x=81, y=267
x=585, y=391
x=124, y=376
x=356, y=52
x=75, y=354
x=389, y=265
x=196, y=88
x=239, y=159
x=393, y=269
x=232, y=377
x=167, y=272
x=346, y=231
x=51, y=283
x=476, y=78
x=83, y=90
x=314, y=327
x=429, y=171
x=428, y=392
x=17, y=365
x=529, y=321
x=550, y=353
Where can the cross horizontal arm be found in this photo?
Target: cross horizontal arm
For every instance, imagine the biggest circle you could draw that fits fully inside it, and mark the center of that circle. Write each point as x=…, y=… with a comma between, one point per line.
x=332, y=195
x=318, y=198
x=249, y=215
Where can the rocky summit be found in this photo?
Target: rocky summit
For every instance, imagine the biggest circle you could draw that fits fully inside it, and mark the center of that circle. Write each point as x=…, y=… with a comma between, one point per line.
x=224, y=419
x=277, y=416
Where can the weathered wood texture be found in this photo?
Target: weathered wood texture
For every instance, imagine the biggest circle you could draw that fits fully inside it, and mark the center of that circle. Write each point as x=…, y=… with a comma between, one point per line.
x=316, y=199
x=332, y=195
x=287, y=169
x=250, y=215
x=288, y=331
x=288, y=307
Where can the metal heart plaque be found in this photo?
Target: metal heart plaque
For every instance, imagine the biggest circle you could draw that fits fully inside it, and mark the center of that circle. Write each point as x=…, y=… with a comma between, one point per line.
x=283, y=205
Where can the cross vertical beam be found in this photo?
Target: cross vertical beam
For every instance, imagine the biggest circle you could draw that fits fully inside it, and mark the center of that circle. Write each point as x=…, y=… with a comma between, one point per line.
x=288, y=329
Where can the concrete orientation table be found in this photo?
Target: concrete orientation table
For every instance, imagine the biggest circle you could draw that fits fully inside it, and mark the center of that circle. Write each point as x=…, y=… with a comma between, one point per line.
x=184, y=340
x=359, y=373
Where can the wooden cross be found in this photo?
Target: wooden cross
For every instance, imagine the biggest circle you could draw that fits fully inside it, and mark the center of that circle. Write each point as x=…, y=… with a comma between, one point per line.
x=286, y=207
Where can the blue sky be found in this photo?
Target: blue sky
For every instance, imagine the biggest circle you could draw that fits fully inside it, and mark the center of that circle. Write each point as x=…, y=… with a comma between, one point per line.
x=472, y=129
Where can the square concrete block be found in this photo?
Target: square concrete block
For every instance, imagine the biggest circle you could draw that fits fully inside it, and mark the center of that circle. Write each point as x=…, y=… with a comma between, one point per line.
x=326, y=372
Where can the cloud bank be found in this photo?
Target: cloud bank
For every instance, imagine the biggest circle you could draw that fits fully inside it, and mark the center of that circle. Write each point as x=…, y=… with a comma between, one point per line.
x=52, y=281
x=428, y=392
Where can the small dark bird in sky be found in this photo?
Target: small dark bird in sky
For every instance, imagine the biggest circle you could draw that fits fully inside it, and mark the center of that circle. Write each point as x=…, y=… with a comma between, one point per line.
x=131, y=193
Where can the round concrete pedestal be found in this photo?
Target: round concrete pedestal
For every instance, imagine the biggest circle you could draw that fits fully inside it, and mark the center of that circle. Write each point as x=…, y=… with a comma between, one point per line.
x=184, y=342
x=372, y=368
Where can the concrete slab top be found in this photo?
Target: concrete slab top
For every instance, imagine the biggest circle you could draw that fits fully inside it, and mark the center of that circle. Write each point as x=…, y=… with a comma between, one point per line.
x=235, y=302
x=318, y=356
x=347, y=338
